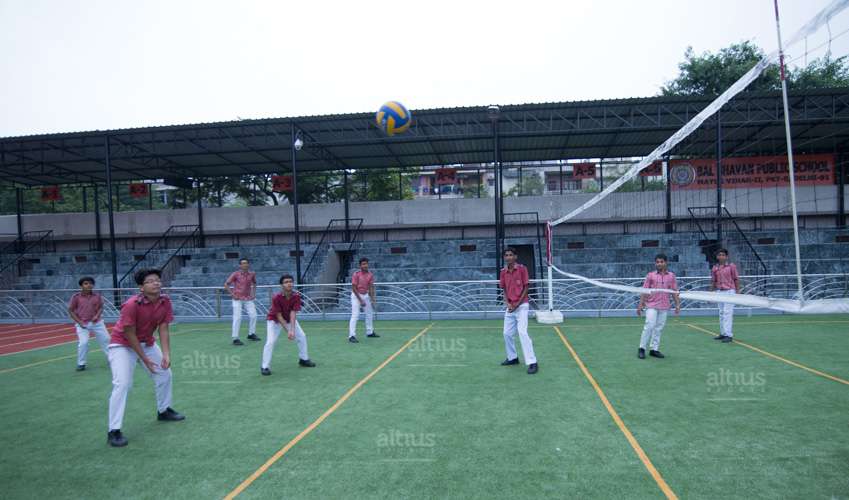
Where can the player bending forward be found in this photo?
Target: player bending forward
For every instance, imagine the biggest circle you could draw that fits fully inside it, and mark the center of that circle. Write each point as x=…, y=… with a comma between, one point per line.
x=656, y=306
x=285, y=306
x=133, y=342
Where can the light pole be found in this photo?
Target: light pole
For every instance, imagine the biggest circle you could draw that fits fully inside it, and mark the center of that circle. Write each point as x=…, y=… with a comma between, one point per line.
x=297, y=144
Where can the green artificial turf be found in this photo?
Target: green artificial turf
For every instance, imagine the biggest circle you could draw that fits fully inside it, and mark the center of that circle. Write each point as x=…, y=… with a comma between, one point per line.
x=443, y=419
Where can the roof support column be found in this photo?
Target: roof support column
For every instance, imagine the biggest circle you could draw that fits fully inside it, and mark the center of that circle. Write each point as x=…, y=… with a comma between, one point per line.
x=295, y=147
x=98, y=235
x=198, y=192
x=19, y=208
x=114, y=256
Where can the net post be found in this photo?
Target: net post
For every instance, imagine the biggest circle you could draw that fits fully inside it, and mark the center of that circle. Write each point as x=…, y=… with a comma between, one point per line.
x=790, y=165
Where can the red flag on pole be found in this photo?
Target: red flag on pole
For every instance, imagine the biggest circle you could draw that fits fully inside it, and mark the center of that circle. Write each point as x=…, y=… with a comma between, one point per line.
x=446, y=176
x=281, y=183
x=50, y=193
x=138, y=190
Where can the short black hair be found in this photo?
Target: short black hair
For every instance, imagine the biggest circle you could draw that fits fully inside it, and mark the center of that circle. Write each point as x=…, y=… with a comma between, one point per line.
x=661, y=256
x=722, y=250
x=244, y=259
x=84, y=279
x=511, y=250
x=142, y=275
x=286, y=277
x=363, y=259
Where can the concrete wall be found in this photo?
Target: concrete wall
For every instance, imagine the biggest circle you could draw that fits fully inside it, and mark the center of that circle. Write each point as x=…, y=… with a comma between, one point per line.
x=394, y=218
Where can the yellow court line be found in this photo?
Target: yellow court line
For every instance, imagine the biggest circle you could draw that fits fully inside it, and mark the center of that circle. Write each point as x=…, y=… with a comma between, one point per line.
x=16, y=368
x=282, y=451
x=774, y=356
x=622, y=427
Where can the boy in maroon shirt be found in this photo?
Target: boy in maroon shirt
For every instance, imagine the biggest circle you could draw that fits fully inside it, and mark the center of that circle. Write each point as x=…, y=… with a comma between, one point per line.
x=85, y=309
x=241, y=285
x=514, y=281
x=724, y=279
x=133, y=342
x=285, y=306
x=656, y=305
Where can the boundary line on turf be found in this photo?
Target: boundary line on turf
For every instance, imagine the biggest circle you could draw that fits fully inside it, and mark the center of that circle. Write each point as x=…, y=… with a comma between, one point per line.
x=774, y=356
x=285, y=449
x=37, y=363
x=619, y=423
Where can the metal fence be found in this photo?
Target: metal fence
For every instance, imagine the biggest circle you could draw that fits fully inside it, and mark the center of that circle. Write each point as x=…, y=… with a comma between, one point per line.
x=416, y=300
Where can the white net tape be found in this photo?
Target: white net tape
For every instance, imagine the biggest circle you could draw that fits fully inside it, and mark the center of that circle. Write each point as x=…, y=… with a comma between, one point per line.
x=822, y=306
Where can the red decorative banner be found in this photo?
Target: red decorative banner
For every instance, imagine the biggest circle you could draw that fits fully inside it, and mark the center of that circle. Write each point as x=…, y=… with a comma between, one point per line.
x=281, y=183
x=653, y=170
x=752, y=172
x=446, y=176
x=583, y=171
x=51, y=193
x=139, y=190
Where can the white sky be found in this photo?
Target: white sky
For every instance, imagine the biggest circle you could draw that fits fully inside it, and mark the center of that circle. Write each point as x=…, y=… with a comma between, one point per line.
x=86, y=65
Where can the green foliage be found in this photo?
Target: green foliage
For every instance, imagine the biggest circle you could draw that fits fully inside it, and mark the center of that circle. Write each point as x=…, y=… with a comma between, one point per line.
x=531, y=185
x=711, y=74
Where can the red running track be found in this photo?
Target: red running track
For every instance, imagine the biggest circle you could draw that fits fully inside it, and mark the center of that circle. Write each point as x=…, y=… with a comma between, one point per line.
x=27, y=337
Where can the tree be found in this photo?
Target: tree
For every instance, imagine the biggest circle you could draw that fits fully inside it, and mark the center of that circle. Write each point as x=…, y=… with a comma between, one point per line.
x=531, y=185
x=379, y=185
x=711, y=74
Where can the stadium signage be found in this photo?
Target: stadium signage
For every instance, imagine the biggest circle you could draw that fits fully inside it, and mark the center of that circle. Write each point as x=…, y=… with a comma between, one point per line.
x=752, y=172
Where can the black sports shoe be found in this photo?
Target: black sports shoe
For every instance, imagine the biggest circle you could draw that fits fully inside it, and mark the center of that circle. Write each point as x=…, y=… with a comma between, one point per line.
x=253, y=337
x=508, y=362
x=238, y=342
x=532, y=368
x=306, y=362
x=353, y=340
x=116, y=439
x=727, y=340
x=641, y=353
x=656, y=354
x=80, y=368
x=373, y=335
x=265, y=371
x=719, y=337
x=170, y=415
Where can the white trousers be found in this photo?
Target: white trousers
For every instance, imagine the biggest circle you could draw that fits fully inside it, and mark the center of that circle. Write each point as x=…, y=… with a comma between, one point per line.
x=83, y=332
x=273, y=333
x=517, y=321
x=726, y=315
x=237, y=316
x=355, y=314
x=655, y=321
x=123, y=361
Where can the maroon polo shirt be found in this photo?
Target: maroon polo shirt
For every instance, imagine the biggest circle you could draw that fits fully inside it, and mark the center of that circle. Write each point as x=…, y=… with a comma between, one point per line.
x=513, y=282
x=145, y=315
x=87, y=307
x=281, y=304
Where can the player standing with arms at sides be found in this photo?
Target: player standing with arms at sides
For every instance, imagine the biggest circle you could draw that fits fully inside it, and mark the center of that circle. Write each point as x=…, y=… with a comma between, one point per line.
x=362, y=296
x=656, y=306
x=133, y=342
x=724, y=279
x=285, y=306
x=241, y=285
x=514, y=281
x=85, y=309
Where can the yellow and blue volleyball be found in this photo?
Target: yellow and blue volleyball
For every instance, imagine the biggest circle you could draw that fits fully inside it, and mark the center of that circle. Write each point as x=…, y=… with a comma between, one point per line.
x=393, y=118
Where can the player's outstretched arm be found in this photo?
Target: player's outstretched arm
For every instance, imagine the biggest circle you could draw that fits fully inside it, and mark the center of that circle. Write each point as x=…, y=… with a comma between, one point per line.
x=165, y=340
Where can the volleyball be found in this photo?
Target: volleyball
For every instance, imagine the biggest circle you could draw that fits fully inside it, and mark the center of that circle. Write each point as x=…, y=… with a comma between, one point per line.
x=393, y=118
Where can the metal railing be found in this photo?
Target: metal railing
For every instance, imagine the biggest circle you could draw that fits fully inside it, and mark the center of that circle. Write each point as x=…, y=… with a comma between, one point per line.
x=325, y=240
x=12, y=264
x=418, y=300
x=747, y=255
x=188, y=235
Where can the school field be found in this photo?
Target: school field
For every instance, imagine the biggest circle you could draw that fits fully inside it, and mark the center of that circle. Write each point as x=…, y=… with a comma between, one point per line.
x=427, y=412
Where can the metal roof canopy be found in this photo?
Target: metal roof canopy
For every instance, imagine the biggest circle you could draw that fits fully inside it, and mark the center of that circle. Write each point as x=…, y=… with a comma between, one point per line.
x=752, y=124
